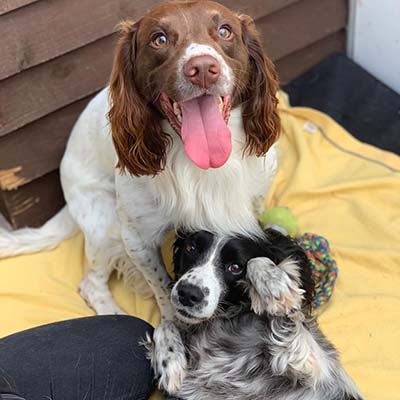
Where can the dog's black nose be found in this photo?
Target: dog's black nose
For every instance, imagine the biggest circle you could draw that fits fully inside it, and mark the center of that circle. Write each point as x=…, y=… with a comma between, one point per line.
x=189, y=295
x=202, y=71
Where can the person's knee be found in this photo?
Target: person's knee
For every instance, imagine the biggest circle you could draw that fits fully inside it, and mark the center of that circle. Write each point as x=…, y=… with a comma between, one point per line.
x=96, y=354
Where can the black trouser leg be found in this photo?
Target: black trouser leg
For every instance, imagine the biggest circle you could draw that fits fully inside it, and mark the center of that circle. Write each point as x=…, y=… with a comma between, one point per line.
x=97, y=358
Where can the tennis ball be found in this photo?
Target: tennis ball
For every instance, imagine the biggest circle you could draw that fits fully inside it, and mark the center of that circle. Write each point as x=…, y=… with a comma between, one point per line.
x=282, y=217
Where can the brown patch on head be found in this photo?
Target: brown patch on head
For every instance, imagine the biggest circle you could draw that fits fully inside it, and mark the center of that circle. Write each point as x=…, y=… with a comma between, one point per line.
x=147, y=63
x=183, y=24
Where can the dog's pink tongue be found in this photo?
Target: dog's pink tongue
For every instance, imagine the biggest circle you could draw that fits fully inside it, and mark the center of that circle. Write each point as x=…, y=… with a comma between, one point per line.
x=206, y=138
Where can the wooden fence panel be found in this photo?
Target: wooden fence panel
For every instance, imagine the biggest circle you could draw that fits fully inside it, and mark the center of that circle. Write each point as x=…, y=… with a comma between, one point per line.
x=34, y=203
x=11, y=5
x=37, y=148
x=300, y=25
x=299, y=62
x=41, y=90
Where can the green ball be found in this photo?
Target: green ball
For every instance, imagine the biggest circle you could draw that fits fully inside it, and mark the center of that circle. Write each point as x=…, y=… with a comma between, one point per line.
x=282, y=217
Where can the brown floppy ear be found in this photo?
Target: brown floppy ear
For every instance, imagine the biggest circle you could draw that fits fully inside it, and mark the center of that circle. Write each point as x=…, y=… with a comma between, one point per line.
x=260, y=117
x=135, y=124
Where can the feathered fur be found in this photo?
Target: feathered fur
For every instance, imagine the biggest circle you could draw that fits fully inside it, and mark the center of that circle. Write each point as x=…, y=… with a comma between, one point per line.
x=277, y=351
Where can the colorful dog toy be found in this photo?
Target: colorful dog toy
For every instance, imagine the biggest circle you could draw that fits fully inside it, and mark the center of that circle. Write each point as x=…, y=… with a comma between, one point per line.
x=323, y=265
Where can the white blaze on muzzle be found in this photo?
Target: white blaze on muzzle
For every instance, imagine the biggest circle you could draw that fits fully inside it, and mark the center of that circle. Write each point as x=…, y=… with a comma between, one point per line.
x=206, y=279
x=224, y=85
x=204, y=131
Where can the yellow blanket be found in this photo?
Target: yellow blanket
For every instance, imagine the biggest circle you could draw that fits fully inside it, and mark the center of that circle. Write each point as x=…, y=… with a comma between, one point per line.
x=337, y=187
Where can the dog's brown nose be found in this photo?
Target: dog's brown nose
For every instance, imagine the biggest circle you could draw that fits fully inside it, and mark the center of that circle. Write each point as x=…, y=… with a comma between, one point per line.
x=202, y=71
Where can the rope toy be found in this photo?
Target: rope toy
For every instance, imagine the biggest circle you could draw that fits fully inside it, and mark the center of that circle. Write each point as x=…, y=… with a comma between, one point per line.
x=323, y=266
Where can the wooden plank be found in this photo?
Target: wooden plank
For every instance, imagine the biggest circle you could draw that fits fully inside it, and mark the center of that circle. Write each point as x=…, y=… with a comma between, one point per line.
x=11, y=5
x=3, y=211
x=301, y=24
x=41, y=143
x=38, y=91
x=24, y=36
x=26, y=43
x=299, y=62
x=257, y=8
x=33, y=204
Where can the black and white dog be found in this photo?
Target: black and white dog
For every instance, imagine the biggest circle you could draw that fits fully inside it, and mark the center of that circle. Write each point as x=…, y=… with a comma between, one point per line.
x=247, y=322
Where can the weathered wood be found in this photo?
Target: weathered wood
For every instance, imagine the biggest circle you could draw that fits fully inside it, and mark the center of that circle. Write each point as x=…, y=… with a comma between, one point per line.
x=301, y=24
x=41, y=143
x=3, y=210
x=34, y=203
x=299, y=62
x=43, y=31
x=39, y=91
x=25, y=42
x=11, y=5
x=257, y=8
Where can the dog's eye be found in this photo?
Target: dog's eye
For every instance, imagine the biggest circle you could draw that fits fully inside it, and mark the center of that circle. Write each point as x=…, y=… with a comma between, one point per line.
x=159, y=40
x=190, y=247
x=225, y=32
x=235, y=269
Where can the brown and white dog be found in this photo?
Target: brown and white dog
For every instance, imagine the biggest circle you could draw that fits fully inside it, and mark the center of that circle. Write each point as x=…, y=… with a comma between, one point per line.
x=183, y=137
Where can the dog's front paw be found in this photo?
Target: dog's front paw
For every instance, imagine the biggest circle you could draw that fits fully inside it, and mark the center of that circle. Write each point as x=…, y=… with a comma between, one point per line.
x=295, y=351
x=274, y=289
x=97, y=295
x=167, y=354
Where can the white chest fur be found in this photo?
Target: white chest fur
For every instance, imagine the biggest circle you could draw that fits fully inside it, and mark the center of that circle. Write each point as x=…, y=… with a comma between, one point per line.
x=216, y=199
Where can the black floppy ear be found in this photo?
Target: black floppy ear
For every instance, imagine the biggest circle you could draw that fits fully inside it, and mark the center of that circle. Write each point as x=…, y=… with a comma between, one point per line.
x=136, y=128
x=274, y=289
x=260, y=115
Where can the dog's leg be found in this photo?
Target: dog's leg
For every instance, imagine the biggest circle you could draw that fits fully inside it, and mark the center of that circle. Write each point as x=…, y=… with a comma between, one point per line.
x=144, y=253
x=167, y=351
x=275, y=290
x=142, y=230
x=96, y=214
x=168, y=357
x=95, y=291
x=295, y=352
x=297, y=347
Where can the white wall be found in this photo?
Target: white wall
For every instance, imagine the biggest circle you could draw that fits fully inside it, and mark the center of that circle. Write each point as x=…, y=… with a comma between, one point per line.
x=374, y=38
